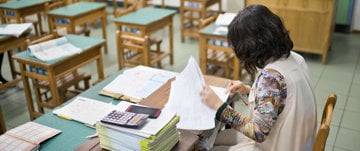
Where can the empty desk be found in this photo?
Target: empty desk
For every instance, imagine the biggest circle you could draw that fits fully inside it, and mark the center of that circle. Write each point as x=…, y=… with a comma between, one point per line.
x=78, y=14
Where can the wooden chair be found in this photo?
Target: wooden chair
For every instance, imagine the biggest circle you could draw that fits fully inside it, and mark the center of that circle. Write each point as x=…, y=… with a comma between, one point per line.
x=324, y=129
x=191, y=11
x=137, y=50
x=83, y=29
x=220, y=56
x=68, y=85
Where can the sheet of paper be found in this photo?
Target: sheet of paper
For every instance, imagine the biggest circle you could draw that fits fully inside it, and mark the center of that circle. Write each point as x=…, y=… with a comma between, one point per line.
x=139, y=82
x=85, y=110
x=14, y=29
x=225, y=19
x=185, y=99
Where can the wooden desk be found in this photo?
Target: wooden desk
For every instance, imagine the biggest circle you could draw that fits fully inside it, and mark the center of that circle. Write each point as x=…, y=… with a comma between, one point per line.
x=77, y=14
x=146, y=21
x=74, y=133
x=49, y=71
x=206, y=41
x=7, y=44
x=18, y=10
x=191, y=11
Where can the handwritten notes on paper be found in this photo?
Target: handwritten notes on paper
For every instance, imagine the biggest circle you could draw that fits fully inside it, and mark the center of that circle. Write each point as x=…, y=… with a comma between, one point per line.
x=185, y=99
x=84, y=110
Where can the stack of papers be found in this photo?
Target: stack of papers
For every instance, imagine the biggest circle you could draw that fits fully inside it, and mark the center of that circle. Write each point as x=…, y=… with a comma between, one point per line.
x=14, y=29
x=185, y=99
x=53, y=49
x=137, y=83
x=156, y=134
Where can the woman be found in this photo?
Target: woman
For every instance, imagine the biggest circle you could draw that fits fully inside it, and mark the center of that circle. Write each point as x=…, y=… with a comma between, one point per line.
x=283, y=107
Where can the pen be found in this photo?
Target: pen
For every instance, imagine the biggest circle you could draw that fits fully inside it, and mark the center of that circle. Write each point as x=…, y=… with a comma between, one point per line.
x=241, y=97
x=64, y=117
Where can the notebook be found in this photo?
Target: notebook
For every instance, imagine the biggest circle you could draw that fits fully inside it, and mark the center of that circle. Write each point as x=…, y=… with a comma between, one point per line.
x=26, y=137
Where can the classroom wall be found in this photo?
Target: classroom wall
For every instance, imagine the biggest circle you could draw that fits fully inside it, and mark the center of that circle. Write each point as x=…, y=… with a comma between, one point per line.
x=227, y=5
x=356, y=18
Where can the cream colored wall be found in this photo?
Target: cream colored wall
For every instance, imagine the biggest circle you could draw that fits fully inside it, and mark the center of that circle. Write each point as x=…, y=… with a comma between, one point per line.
x=356, y=17
x=228, y=5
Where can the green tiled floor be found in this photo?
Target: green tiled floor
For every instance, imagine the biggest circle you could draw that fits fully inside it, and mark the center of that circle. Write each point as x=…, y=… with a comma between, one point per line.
x=341, y=75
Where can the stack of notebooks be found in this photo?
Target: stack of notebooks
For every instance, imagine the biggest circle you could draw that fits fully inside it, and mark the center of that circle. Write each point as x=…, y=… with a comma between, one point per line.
x=156, y=134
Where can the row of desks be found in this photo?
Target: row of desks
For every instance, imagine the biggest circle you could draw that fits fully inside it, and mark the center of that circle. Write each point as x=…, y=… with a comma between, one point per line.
x=147, y=20
x=86, y=12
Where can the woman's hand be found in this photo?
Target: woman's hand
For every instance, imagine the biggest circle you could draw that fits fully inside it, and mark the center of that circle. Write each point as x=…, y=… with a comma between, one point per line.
x=210, y=98
x=238, y=87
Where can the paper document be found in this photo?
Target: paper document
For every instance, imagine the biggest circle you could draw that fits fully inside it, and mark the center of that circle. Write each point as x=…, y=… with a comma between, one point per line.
x=225, y=19
x=138, y=82
x=152, y=126
x=85, y=110
x=14, y=29
x=185, y=99
x=53, y=49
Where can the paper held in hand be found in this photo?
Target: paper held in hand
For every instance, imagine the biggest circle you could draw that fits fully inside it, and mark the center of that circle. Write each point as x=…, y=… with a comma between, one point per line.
x=185, y=99
x=53, y=49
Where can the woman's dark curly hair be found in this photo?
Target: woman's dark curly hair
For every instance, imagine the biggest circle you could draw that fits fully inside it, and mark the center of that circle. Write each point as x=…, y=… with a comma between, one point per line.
x=258, y=37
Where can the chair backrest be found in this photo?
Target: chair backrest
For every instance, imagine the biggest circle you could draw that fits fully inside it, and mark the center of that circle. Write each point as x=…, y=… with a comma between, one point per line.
x=127, y=10
x=324, y=128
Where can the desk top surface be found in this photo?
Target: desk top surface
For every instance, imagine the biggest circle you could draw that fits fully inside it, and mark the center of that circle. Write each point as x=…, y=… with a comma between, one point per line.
x=79, y=41
x=73, y=133
x=145, y=16
x=210, y=30
x=22, y=3
x=77, y=9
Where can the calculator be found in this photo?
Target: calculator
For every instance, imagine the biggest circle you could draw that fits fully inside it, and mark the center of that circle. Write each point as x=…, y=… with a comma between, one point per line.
x=125, y=119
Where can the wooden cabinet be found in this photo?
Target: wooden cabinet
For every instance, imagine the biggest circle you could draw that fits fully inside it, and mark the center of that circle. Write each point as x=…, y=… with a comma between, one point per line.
x=310, y=22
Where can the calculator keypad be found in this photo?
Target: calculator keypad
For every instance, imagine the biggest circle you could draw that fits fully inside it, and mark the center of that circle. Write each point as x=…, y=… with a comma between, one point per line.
x=126, y=119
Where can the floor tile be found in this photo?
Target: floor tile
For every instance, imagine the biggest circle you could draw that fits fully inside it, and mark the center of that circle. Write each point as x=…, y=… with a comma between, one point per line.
x=348, y=139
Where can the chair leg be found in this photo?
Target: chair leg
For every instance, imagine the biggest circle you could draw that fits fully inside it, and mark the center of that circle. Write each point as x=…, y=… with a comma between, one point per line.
x=158, y=51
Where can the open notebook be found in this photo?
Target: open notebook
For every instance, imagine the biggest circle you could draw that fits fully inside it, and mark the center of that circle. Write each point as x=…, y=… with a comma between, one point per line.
x=137, y=83
x=26, y=137
x=53, y=49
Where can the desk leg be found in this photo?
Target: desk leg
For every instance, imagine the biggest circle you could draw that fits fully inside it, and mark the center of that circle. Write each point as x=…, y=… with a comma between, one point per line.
x=12, y=64
x=100, y=66
x=120, y=53
x=29, y=100
x=40, y=24
x=171, y=41
x=55, y=97
x=203, y=53
x=103, y=22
